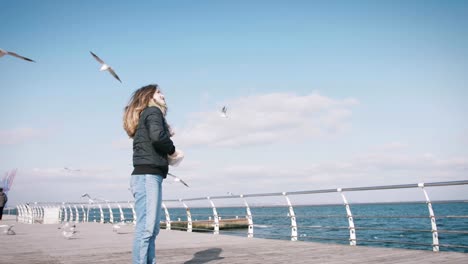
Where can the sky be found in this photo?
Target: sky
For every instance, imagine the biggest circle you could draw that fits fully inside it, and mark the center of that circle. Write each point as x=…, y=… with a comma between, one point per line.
x=320, y=94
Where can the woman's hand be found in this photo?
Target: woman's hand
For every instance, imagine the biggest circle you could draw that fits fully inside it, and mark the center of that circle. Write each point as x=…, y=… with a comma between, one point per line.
x=176, y=158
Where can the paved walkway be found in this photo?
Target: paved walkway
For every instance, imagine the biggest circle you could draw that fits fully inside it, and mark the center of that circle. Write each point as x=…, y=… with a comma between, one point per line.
x=96, y=243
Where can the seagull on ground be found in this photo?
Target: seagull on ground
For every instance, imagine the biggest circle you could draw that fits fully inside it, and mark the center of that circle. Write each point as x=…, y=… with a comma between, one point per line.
x=69, y=234
x=224, y=112
x=105, y=67
x=68, y=231
x=66, y=226
x=8, y=229
x=177, y=179
x=122, y=228
x=4, y=52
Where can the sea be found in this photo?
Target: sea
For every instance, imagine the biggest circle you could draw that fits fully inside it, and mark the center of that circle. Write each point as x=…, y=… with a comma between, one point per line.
x=397, y=225
x=393, y=225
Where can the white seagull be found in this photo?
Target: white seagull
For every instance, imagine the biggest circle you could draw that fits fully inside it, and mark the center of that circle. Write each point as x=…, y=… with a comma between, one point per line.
x=4, y=52
x=69, y=234
x=68, y=231
x=105, y=67
x=71, y=170
x=122, y=228
x=90, y=200
x=224, y=112
x=177, y=179
x=93, y=200
x=8, y=229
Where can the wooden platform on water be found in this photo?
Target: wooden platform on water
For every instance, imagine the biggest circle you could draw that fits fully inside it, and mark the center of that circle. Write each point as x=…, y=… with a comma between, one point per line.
x=207, y=225
x=96, y=243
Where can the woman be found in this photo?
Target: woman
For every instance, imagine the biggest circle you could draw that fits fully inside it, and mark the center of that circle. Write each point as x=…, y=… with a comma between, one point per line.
x=144, y=121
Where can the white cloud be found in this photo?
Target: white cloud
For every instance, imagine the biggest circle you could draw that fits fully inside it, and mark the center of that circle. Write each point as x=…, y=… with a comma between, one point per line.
x=373, y=168
x=268, y=118
x=369, y=169
x=58, y=184
x=21, y=135
x=391, y=146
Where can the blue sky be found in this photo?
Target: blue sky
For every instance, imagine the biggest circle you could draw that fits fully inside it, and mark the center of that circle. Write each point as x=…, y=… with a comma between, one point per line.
x=321, y=94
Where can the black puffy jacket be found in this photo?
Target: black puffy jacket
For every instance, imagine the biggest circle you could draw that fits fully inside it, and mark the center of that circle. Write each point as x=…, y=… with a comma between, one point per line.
x=152, y=143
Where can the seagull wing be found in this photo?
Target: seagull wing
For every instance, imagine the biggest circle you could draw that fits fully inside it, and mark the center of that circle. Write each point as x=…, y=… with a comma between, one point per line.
x=19, y=56
x=114, y=74
x=178, y=179
x=97, y=58
x=184, y=183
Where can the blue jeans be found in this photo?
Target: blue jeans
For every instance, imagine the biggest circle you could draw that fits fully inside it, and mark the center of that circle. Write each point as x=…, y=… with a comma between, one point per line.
x=147, y=191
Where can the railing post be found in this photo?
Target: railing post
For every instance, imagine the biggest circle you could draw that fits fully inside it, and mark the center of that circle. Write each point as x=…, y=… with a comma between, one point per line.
x=18, y=213
x=41, y=211
x=26, y=213
x=65, y=213
x=292, y=215
x=349, y=215
x=101, y=220
x=31, y=214
x=122, y=216
x=168, y=217
x=71, y=213
x=87, y=212
x=133, y=212
x=111, y=215
x=215, y=216
x=189, y=216
x=77, y=218
x=35, y=212
x=85, y=219
x=249, y=217
x=60, y=213
x=435, y=235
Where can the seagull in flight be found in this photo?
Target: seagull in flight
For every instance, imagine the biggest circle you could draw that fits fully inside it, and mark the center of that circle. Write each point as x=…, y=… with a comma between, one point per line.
x=105, y=67
x=177, y=179
x=94, y=200
x=71, y=170
x=224, y=112
x=90, y=200
x=4, y=52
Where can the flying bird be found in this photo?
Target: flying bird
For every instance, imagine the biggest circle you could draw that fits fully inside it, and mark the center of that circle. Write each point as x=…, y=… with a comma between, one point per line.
x=93, y=199
x=224, y=112
x=4, y=52
x=177, y=179
x=71, y=170
x=105, y=67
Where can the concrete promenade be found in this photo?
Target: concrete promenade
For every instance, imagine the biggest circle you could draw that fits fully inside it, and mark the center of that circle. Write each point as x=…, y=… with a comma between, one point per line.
x=96, y=243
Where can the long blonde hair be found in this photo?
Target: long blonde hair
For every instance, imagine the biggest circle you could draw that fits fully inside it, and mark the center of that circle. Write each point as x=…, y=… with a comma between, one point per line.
x=140, y=100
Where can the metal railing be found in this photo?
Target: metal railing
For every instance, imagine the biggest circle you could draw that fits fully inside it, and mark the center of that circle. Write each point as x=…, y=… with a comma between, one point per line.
x=112, y=212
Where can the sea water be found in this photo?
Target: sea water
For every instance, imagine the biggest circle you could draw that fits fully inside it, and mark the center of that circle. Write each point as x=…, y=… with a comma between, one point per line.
x=399, y=225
